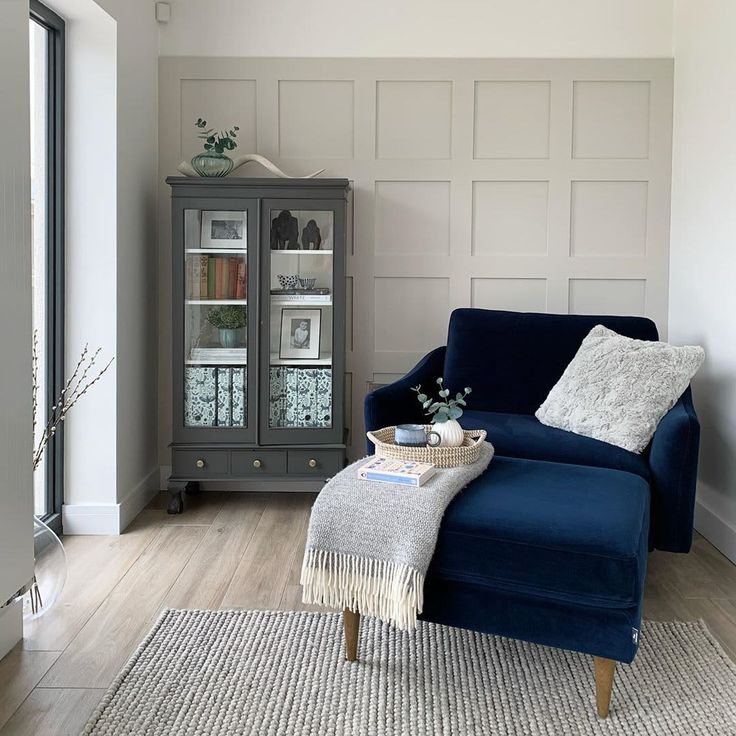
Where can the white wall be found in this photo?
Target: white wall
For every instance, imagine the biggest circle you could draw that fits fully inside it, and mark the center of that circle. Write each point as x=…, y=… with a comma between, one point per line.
x=16, y=483
x=703, y=244
x=424, y=28
x=111, y=465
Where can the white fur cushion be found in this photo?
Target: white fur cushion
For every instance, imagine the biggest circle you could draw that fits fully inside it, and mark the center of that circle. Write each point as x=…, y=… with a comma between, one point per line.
x=617, y=389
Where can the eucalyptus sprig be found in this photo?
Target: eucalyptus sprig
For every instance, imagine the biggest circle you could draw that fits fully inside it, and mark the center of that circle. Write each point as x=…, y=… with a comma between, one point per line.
x=217, y=141
x=446, y=408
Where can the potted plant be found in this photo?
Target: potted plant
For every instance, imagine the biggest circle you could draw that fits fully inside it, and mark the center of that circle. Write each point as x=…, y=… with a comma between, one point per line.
x=445, y=413
x=213, y=161
x=227, y=320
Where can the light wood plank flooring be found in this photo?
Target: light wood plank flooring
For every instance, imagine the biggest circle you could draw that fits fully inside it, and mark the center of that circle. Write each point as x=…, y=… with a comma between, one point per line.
x=232, y=550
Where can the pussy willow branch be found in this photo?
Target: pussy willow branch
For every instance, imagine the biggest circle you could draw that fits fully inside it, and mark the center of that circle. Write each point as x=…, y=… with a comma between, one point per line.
x=77, y=386
x=34, y=373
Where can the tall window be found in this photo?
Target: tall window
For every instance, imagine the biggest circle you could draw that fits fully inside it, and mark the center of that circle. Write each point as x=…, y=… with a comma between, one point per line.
x=47, y=214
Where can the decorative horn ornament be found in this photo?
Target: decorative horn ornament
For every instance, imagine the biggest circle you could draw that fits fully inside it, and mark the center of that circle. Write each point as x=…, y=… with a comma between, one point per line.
x=186, y=168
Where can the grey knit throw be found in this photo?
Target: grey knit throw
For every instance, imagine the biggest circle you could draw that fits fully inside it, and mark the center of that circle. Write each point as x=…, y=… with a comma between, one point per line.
x=370, y=544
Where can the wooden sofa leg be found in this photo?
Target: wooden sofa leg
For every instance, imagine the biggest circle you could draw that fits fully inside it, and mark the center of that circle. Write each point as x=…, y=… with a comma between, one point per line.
x=351, y=625
x=604, y=672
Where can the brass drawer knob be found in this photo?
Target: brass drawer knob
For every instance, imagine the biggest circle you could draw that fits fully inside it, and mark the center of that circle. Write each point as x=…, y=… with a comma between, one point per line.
x=200, y=463
x=312, y=463
x=256, y=463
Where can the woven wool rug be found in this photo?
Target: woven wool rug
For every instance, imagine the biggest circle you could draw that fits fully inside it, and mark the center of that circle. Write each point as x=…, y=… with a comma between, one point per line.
x=212, y=673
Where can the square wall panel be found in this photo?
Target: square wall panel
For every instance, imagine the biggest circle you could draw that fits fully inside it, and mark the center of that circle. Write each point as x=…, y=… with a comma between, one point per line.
x=510, y=217
x=610, y=120
x=222, y=103
x=316, y=119
x=511, y=120
x=608, y=296
x=515, y=295
x=413, y=120
x=411, y=313
x=412, y=217
x=608, y=218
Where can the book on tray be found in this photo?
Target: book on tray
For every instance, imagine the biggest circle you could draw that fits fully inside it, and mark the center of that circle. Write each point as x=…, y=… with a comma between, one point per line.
x=216, y=277
x=403, y=472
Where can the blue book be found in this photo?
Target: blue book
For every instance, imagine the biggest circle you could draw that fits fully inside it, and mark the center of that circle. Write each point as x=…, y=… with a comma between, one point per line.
x=401, y=472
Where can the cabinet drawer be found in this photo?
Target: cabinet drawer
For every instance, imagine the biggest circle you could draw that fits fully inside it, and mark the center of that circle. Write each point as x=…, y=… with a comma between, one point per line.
x=324, y=463
x=191, y=463
x=258, y=462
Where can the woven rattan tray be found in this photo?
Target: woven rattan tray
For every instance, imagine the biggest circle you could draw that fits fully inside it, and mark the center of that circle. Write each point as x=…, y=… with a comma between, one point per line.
x=442, y=457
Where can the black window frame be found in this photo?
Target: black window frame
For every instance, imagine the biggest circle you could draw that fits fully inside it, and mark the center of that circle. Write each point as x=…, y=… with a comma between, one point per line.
x=55, y=150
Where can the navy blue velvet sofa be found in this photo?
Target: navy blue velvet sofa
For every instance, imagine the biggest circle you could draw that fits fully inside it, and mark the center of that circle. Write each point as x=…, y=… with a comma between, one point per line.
x=550, y=544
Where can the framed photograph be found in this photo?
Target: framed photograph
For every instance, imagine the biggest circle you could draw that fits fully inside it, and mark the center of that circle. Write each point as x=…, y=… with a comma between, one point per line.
x=300, y=333
x=224, y=229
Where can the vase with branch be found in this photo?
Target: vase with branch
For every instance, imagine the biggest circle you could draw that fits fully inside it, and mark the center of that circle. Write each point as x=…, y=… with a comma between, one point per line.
x=50, y=558
x=444, y=413
x=213, y=161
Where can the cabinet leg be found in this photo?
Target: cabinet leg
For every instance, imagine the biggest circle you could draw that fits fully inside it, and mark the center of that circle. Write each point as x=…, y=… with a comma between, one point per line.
x=192, y=488
x=176, y=503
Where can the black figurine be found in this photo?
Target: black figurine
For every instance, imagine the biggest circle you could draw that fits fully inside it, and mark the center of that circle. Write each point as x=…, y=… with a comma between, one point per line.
x=285, y=232
x=311, y=236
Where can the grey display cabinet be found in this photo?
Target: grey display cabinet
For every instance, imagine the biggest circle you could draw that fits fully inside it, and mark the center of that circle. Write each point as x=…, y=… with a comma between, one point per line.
x=258, y=330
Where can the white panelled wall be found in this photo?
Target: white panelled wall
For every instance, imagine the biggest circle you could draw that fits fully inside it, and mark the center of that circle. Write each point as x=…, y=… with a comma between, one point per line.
x=512, y=184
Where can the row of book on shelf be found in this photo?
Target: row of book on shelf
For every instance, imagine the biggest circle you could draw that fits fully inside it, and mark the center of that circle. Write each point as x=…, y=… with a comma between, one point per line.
x=216, y=277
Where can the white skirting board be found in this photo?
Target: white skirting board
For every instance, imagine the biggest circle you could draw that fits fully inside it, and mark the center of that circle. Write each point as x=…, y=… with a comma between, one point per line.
x=719, y=532
x=110, y=518
x=11, y=626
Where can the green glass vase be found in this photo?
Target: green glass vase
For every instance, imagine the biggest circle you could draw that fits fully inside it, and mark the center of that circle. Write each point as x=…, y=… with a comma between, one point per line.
x=211, y=163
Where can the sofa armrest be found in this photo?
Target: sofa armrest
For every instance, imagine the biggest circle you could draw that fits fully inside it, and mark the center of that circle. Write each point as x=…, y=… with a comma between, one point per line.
x=397, y=403
x=673, y=462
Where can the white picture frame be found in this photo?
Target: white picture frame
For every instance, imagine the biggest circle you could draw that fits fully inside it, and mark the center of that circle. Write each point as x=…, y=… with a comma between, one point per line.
x=300, y=334
x=225, y=229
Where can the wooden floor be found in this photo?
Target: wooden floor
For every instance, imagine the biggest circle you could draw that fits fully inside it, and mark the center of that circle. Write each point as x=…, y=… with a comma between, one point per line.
x=232, y=550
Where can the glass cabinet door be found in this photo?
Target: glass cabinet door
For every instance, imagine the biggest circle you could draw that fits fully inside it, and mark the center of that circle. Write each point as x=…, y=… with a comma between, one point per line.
x=216, y=318
x=300, y=307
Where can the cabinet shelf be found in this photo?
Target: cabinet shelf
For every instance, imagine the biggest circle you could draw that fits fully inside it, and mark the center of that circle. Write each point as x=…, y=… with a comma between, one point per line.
x=296, y=252
x=275, y=360
x=298, y=303
x=215, y=301
x=216, y=251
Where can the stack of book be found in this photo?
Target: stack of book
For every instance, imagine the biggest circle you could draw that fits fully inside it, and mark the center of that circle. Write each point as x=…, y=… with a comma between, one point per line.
x=219, y=355
x=303, y=296
x=216, y=277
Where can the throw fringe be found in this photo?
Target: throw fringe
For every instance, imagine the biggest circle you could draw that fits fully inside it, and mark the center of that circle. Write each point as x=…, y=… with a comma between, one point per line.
x=390, y=591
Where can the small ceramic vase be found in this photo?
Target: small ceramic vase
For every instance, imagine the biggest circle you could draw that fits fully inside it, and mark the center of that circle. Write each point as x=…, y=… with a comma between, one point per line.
x=450, y=432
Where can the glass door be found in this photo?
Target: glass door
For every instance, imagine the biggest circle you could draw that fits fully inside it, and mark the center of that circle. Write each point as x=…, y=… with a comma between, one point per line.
x=303, y=310
x=218, y=278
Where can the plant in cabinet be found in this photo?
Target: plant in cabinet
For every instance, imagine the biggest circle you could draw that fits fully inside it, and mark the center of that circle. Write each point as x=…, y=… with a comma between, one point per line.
x=227, y=320
x=444, y=413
